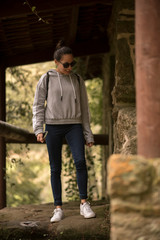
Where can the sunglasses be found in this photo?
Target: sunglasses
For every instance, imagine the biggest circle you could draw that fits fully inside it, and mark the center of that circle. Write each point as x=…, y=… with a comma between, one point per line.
x=66, y=64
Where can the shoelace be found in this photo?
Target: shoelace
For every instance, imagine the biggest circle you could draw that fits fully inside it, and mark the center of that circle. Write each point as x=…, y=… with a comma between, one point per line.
x=87, y=207
x=56, y=211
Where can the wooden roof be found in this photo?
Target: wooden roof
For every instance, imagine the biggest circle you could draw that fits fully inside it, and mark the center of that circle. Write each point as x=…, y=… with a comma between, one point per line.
x=24, y=39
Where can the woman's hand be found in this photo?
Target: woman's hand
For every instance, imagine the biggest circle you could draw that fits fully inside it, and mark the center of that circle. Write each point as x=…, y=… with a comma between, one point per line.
x=40, y=138
x=90, y=144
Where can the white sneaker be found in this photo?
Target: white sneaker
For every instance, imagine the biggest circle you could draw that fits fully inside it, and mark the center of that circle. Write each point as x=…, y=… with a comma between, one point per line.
x=86, y=211
x=58, y=215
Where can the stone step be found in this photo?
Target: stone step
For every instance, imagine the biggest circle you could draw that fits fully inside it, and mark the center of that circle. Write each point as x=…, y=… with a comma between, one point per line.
x=33, y=222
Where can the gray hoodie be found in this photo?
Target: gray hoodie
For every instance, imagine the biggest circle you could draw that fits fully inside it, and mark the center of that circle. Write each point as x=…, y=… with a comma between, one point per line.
x=67, y=103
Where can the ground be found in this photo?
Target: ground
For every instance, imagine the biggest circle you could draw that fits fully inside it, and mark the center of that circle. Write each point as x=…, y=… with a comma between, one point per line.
x=29, y=222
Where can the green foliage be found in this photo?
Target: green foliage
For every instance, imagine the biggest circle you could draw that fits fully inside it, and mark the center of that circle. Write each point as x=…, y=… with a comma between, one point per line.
x=19, y=97
x=94, y=91
x=69, y=170
x=21, y=174
x=34, y=11
x=91, y=173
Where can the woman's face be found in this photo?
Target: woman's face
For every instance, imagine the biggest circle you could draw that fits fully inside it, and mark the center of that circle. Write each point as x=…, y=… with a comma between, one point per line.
x=61, y=65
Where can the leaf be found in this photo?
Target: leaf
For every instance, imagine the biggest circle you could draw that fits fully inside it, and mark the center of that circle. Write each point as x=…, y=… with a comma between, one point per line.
x=33, y=8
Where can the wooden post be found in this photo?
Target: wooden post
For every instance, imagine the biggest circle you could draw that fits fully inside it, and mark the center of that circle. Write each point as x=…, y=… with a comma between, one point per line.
x=147, y=77
x=2, y=140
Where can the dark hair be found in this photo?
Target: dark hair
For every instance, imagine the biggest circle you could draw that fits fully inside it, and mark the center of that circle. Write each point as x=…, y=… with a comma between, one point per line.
x=61, y=50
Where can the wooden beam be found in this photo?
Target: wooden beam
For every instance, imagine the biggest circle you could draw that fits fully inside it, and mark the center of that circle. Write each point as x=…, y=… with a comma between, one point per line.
x=79, y=49
x=36, y=56
x=2, y=140
x=73, y=25
x=14, y=134
x=10, y=8
x=100, y=139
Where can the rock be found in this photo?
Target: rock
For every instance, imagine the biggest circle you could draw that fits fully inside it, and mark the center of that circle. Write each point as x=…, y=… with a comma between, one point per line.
x=129, y=176
x=125, y=135
x=124, y=73
x=125, y=27
x=134, y=226
x=133, y=187
x=123, y=94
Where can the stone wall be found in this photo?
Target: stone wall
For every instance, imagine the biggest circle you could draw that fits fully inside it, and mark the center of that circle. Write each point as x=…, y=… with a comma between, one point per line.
x=132, y=181
x=133, y=186
x=125, y=131
x=123, y=92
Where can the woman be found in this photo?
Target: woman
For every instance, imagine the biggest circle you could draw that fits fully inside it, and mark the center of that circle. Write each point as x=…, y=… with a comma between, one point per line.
x=65, y=115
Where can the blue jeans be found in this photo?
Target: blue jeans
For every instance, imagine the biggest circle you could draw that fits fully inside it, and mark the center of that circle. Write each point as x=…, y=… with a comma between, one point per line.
x=75, y=139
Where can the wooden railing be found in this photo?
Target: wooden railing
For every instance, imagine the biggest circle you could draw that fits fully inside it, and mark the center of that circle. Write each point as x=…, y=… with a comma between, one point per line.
x=13, y=134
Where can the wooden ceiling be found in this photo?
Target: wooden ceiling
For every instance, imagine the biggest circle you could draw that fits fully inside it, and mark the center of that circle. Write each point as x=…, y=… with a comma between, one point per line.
x=24, y=40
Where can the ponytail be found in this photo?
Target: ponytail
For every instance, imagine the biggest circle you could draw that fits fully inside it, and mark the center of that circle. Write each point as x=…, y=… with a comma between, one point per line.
x=61, y=50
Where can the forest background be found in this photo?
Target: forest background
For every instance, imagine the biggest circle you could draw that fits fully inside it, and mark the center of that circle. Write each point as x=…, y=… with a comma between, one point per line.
x=27, y=168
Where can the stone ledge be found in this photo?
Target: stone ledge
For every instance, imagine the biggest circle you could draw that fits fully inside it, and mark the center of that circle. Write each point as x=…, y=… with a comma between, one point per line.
x=33, y=222
x=123, y=94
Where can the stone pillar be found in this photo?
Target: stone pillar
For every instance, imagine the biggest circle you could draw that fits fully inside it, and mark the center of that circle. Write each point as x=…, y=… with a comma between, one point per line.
x=2, y=140
x=148, y=77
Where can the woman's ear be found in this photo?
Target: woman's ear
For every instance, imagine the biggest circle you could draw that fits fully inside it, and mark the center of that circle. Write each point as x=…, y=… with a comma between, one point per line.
x=56, y=62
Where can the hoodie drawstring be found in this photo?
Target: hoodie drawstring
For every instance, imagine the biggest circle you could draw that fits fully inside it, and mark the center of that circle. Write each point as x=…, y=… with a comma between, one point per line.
x=74, y=92
x=60, y=86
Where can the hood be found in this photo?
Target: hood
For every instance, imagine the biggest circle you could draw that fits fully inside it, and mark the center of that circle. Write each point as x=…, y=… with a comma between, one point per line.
x=54, y=73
